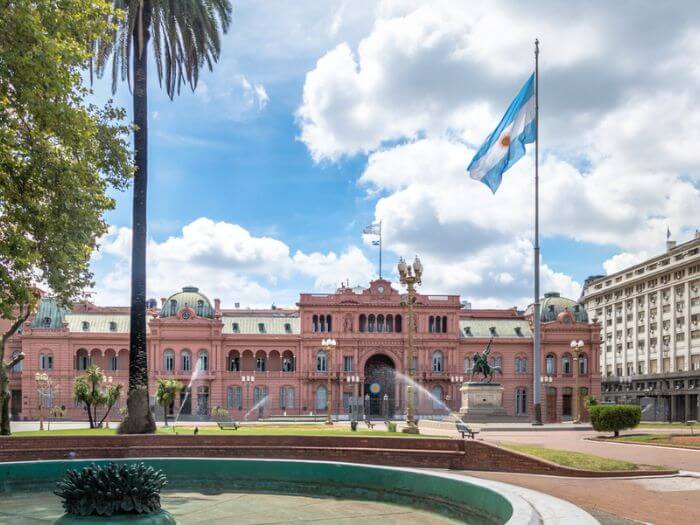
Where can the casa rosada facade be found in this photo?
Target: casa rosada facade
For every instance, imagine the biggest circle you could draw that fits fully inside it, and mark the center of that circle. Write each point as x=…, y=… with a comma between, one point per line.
x=274, y=359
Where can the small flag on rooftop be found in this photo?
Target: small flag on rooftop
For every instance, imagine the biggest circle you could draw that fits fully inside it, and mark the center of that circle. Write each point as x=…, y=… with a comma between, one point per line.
x=376, y=229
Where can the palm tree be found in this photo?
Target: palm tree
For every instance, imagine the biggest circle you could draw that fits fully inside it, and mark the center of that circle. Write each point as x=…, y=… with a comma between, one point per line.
x=166, y=391
x=186, y=36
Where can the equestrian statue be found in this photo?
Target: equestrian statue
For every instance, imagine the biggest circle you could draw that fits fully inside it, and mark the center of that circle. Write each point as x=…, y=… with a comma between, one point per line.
x=480, y=365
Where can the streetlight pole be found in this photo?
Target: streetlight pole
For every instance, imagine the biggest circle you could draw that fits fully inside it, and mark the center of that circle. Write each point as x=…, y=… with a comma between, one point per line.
x=42, y=381
x=577, y=348
x=328, y=346
x=409, y=278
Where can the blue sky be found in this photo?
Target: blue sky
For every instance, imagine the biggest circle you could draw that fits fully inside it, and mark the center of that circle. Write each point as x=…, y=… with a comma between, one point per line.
x=323, y=116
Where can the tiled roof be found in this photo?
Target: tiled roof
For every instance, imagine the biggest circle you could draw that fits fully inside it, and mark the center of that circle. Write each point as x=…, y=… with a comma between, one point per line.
x=49, y=309
x=98, y=323
x=272, y=324
x=502, y=328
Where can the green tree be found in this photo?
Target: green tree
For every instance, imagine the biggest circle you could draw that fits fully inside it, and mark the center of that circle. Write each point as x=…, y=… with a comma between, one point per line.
x=58, y=157
x=166, y=392
x=185, y=37
x=94, y=390
x=613, y=418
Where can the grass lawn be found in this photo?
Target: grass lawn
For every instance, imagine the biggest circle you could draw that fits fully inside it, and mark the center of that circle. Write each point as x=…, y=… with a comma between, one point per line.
x=252, y=430
x=572, y=459
x=676, y=424
x=681, y=441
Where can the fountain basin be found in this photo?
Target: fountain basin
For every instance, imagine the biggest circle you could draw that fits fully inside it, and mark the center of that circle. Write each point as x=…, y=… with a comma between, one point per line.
x=452, y=498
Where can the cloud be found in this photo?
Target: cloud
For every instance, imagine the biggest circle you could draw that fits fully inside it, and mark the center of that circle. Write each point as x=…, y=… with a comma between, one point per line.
x=223, y=260
x=419, y=92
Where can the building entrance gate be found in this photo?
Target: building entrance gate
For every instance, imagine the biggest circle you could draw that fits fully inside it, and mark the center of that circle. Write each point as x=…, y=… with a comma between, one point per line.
x=380, y=379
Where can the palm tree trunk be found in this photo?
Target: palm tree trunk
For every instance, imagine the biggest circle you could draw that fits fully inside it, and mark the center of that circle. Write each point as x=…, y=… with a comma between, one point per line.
x=139, y=419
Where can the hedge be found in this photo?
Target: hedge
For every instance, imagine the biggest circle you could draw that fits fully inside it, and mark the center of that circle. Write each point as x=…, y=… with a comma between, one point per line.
x=613, y=418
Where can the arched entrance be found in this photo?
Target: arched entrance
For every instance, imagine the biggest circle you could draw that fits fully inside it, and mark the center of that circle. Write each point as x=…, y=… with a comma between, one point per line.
x=379, y=386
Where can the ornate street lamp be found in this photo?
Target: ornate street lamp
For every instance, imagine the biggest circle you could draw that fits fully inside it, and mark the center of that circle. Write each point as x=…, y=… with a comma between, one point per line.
x=545, y=380
x=328, y=346
x=42, y=386
x=355, y=381
x=577, y=349
x=247, y=380
x=409, y=279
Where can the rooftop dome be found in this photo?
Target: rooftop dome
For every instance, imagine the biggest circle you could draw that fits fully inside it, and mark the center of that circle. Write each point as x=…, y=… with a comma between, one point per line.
x=189, y=296
x=553, y=304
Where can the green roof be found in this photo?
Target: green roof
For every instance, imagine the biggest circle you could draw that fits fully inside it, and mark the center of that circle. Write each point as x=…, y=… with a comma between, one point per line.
x=99, y=323
x=49, y=314
x=504, y=328
x=189, y=296
x=272, y=324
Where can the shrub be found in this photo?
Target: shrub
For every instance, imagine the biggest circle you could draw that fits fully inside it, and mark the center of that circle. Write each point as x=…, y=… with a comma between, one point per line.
x=390, y=426
x=219, y=413
x=613, y=418
x=115, y=488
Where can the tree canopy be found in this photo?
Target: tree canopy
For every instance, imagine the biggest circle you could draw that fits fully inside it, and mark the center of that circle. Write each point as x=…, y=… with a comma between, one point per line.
x=59, y=154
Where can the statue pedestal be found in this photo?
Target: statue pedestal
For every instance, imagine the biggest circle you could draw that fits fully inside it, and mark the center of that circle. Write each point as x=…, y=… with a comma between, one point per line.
x=482, y=402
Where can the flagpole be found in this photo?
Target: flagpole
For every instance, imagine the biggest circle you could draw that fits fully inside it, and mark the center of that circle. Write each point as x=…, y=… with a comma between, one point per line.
x=537, y=353
x=380, y=249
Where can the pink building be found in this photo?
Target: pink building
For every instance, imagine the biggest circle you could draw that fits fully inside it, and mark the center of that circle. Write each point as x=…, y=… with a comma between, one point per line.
x=247, y=355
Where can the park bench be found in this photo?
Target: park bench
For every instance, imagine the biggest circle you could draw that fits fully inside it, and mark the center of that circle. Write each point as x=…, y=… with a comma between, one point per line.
x=691, y=423
x=228, y=425
x=369, y=423
x=464, y=429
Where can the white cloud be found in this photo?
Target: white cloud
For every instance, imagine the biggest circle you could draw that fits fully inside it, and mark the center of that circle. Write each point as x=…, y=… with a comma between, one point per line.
x=422, y=88
x=226, y=261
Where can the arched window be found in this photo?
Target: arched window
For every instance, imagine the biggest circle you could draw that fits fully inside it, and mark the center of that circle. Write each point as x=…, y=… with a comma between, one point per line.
x=200, y=308
x=520, y=401
x=397, y=324
x=431, y=324
x=114, y=362
x=363, y=323
x=521, y=365
x=234, y=362
x=234, y=398
x=380, y=323
x=437, y=361
x=321, y=362
x=438, y=324
x=583, y=364
x=329, y=323
x=322, y=323
x=287, y=361
x=550, y=364
x=389, y=323
x=314, y=323
x=286, y=397
x=566, y=364
x=496, y=360
x=438, y=395
x=46, y=361
x=203, y=360
x=173, y=306
x=186, y=361
x=444, y=324
x=82, y=360
x=371, y=323
x=169, y=361
x=321, y=398
x=260, y=362
x=467, y=364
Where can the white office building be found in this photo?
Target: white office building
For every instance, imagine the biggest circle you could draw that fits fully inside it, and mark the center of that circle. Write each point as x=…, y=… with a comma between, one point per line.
x=649, y=316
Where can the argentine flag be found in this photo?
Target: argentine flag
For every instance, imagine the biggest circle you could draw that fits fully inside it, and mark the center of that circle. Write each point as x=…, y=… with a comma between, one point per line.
x=506, y=144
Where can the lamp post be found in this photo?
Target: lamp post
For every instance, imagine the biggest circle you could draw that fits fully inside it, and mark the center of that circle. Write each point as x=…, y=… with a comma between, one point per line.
x=410, y=277
x=545, y=380
x=355, y=381
x=248, y=380
x=457, y=380
x=42, y=384
x=328, y=346
x=577, y=348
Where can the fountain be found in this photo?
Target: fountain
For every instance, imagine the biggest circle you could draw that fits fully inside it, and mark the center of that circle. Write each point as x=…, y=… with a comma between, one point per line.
x=195, y=374
x=427, y=393
x=257, y=405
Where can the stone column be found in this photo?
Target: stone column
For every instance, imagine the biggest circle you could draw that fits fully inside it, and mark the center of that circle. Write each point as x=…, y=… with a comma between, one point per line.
x=672, y=399
x=686, y=415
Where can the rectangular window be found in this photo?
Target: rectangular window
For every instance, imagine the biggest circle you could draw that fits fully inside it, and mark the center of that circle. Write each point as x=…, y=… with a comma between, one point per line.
x=347, y=363
x=114, y=363
x=234, y=398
